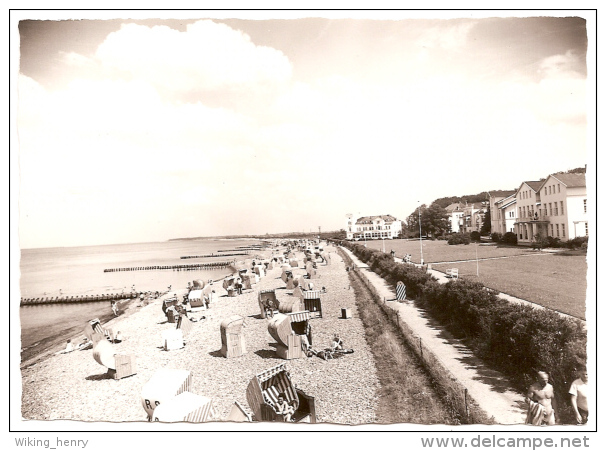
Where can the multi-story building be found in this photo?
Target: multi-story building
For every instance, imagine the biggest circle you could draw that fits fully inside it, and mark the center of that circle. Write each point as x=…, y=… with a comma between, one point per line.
x=529, y=221
x=373, y=227
x=506, y=208
x=499, y=203
x=455, y=216
x=564, y=206
x=473, y=217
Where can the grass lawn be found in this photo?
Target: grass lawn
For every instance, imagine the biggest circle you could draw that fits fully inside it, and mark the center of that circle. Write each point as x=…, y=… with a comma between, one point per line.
x=551, y=280
x=557, y=281
x=441, y=251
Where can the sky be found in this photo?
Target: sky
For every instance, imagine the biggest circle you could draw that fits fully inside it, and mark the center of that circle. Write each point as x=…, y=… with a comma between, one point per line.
x=158, y=128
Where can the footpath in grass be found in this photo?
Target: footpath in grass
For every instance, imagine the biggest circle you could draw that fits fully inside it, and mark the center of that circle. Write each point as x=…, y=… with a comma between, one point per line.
x=407, y=393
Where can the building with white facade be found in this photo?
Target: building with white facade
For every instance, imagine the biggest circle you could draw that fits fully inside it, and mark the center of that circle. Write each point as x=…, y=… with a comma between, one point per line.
x=373, y=227
x=455, y=216
x=564, y=206
x=529, y=218
x=500, y=206
x=507, y=214
x=473, y=217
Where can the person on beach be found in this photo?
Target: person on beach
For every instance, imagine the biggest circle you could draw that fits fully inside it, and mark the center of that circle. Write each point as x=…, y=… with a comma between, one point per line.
x=115, y=308
x=118, y=337
x=578, y=396
x=337, y=343
x=69, y=347
x=238, y=285
x=283, y=408
x=541, y=402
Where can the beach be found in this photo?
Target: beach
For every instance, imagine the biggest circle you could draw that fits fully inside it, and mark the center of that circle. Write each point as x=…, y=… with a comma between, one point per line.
x=74, y=386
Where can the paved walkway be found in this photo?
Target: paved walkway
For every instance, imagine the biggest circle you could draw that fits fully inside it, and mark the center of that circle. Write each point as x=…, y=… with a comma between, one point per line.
x=489, y=388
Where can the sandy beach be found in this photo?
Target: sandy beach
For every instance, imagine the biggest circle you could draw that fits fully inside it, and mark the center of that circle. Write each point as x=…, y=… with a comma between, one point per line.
x=74, y=386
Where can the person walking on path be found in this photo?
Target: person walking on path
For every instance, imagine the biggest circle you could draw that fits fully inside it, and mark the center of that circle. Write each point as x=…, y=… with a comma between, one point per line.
x=578, y=396
x=541, y=402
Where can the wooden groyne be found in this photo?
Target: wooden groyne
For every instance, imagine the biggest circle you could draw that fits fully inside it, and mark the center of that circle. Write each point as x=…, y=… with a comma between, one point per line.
x=214, y=255
x=78, y=299
x=213, y=265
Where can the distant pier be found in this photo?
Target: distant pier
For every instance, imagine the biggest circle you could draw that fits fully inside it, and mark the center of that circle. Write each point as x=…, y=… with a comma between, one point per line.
x=78, y=299
x=193, y=267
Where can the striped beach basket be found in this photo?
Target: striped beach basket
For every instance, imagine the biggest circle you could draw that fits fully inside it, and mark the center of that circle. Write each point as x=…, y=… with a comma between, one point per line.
x=400, y=291
x=187, y=407
x=164, y=385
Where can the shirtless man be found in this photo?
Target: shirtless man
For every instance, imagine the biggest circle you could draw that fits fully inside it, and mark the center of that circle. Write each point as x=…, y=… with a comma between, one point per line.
x=541, y=402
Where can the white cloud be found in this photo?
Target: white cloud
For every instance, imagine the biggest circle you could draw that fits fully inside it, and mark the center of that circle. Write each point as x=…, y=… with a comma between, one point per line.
x=207, y=56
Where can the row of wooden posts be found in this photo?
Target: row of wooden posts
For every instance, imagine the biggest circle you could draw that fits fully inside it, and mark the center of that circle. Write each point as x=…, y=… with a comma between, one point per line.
x=82, y=298
x=213, y=265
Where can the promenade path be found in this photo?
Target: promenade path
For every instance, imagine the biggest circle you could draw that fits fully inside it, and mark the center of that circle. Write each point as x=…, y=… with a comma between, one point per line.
x=489, y=388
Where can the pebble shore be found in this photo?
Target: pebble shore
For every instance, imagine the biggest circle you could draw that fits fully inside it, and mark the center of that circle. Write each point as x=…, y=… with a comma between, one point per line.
x=75, y=387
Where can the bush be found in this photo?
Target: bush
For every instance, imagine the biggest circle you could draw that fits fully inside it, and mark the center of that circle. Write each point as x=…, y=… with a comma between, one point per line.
x=459, y=238
x=475, y=236
x=578, y=242
x=496, y=237
x=553, y=242
x=510, y=238
x=518, y=339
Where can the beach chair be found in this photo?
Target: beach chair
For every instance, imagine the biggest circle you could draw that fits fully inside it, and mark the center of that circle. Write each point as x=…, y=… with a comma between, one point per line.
x=268, y=303
x=232, y=339
x=164, y=385
x=186, y=406
x=118, y=366
x=95, y=332
x=184, y=324
x=262, y=395
x=312, y=301
x=288, y=330
x=196, y=299
x=453, y=273
x=238, y=414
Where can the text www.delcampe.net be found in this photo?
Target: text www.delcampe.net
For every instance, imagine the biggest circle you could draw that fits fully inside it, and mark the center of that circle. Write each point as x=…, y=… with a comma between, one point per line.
x=505, y=442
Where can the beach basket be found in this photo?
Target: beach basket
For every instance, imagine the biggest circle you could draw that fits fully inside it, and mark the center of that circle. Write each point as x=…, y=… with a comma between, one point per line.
x=184, y=324
x=263, y=391
x=199, y=284
x=312, y=301
x=287, y=330
x=164, y=385
x=196, y=300
x=232, y=338
x=268, y=302
x=172, y=339
x=187, y=407
x=290, y=305
x=238, y=414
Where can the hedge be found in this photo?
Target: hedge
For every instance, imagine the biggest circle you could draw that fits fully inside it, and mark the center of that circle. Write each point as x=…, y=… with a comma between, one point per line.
x=517, y=339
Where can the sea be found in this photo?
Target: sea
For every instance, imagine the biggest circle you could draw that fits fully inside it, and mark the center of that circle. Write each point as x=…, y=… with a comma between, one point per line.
x=78, y=271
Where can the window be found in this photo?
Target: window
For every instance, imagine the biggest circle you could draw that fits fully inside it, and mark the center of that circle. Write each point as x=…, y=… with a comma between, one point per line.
x=586, y=230
x=550, y=189
x=546, y=191
x=557, y=230
x=550, y=211
x=563, y=231
x=525, y=232
x=555, y=208
x=562, y=207
x=584, y=205
x=551, y=230
x=558, y=187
